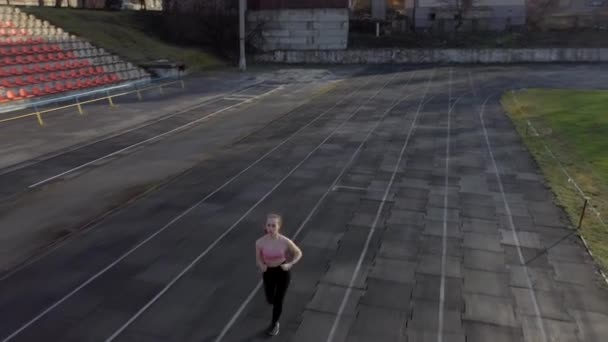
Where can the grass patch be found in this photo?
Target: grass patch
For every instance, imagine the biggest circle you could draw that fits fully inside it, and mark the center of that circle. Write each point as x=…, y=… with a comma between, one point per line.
x=477, y=40
x=573, y=125
x=134, y=35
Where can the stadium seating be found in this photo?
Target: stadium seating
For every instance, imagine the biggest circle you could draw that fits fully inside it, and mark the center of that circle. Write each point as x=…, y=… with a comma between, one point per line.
x=38, y=59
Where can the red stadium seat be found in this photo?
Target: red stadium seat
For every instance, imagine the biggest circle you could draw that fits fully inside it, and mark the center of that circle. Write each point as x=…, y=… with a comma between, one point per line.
x=36, y=91
x=99, y=70
x=11, y=95
x=6, y=83
x=23, y=93
x=20, y=82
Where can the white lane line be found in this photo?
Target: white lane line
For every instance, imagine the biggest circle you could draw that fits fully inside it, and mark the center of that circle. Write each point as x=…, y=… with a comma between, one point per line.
x=333, y=186
x=37, y=160
x=539, y=321
x=177, y=129
x=445, y=215
x=346, y=297
x=174, y=220
x=235, y=224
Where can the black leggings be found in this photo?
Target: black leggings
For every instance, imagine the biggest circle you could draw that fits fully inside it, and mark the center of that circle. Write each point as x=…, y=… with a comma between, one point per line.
x=276, y=282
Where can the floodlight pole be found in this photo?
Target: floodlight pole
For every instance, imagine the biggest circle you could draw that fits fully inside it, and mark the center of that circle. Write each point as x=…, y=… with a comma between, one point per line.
x=242, y=59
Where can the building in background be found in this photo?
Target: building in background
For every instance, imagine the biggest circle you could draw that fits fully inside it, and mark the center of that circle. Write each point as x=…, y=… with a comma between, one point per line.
x=299, y=24
x=469, y=15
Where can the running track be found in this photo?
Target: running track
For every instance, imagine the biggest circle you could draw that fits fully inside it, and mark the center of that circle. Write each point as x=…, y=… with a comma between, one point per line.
x=411, y=195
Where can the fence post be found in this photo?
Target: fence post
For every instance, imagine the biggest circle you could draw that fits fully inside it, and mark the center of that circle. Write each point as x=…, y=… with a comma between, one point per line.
x=138, y=93
x=110, y=99
x=79, y=106
x=183, y=84
x=580, y=221
x=38, y=116
x=160, y=89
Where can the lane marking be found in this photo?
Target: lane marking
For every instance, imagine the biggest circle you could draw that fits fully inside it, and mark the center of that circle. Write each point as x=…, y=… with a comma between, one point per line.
x=177, y=129
x=346, y=297
x=445, y=215
x=43, y=158
x=235, y=224
x=539, y=321
x=176, y=219
x=332, y=187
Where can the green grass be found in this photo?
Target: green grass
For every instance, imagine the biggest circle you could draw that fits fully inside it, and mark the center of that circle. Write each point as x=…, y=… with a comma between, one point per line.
x=477, y=40
x=134, y=35
x=573, y=125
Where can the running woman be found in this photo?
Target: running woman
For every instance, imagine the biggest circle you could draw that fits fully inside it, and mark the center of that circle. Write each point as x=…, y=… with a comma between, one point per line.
x=271, y=256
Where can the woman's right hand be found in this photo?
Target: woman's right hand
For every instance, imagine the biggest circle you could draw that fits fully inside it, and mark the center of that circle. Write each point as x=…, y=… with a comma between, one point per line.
x=262, y=268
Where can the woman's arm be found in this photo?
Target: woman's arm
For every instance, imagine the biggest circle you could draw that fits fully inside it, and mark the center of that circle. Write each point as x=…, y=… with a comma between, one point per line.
x=295, y=251
x=258, y=257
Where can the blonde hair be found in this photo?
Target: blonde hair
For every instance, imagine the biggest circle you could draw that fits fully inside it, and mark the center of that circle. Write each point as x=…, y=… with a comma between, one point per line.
x=278, y=217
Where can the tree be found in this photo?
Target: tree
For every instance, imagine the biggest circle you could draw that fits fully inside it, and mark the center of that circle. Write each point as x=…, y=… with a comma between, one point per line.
x=458, y=9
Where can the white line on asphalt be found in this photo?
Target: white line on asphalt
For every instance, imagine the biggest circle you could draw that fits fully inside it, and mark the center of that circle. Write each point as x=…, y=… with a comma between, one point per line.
x=375, y=222
x=539, y=319
x=180, y=128
x=174, y=220
x=235, y=224
x=333, y=186
x=211, y=100
x=445, y=215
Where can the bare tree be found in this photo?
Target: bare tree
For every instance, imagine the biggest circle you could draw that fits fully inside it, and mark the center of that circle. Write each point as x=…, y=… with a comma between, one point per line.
x=456, y=9
x=537, y=10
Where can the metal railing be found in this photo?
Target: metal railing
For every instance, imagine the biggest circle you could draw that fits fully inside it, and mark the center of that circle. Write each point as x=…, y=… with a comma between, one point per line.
x=38, y=113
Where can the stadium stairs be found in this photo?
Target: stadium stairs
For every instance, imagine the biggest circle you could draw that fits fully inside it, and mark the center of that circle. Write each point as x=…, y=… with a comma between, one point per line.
x=39, y=60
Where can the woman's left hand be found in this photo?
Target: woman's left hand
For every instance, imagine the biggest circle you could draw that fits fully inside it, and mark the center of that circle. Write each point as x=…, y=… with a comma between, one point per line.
x=286, y=266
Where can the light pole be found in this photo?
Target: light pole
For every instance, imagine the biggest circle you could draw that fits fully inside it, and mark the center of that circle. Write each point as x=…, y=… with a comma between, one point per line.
x=242, y=59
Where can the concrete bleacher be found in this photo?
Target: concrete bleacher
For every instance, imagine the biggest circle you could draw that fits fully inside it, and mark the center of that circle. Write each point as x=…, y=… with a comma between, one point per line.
x=38, y=59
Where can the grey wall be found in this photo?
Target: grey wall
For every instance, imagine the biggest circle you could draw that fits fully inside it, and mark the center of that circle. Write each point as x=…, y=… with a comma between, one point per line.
x=378, y=56
x=301, y=29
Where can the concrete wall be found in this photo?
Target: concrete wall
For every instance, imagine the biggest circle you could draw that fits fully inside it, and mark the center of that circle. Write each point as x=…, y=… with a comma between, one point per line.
x=300, y=29
x=380, y=56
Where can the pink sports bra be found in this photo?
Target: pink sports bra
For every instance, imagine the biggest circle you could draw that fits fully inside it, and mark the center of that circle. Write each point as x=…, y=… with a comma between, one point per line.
x=274, y=254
